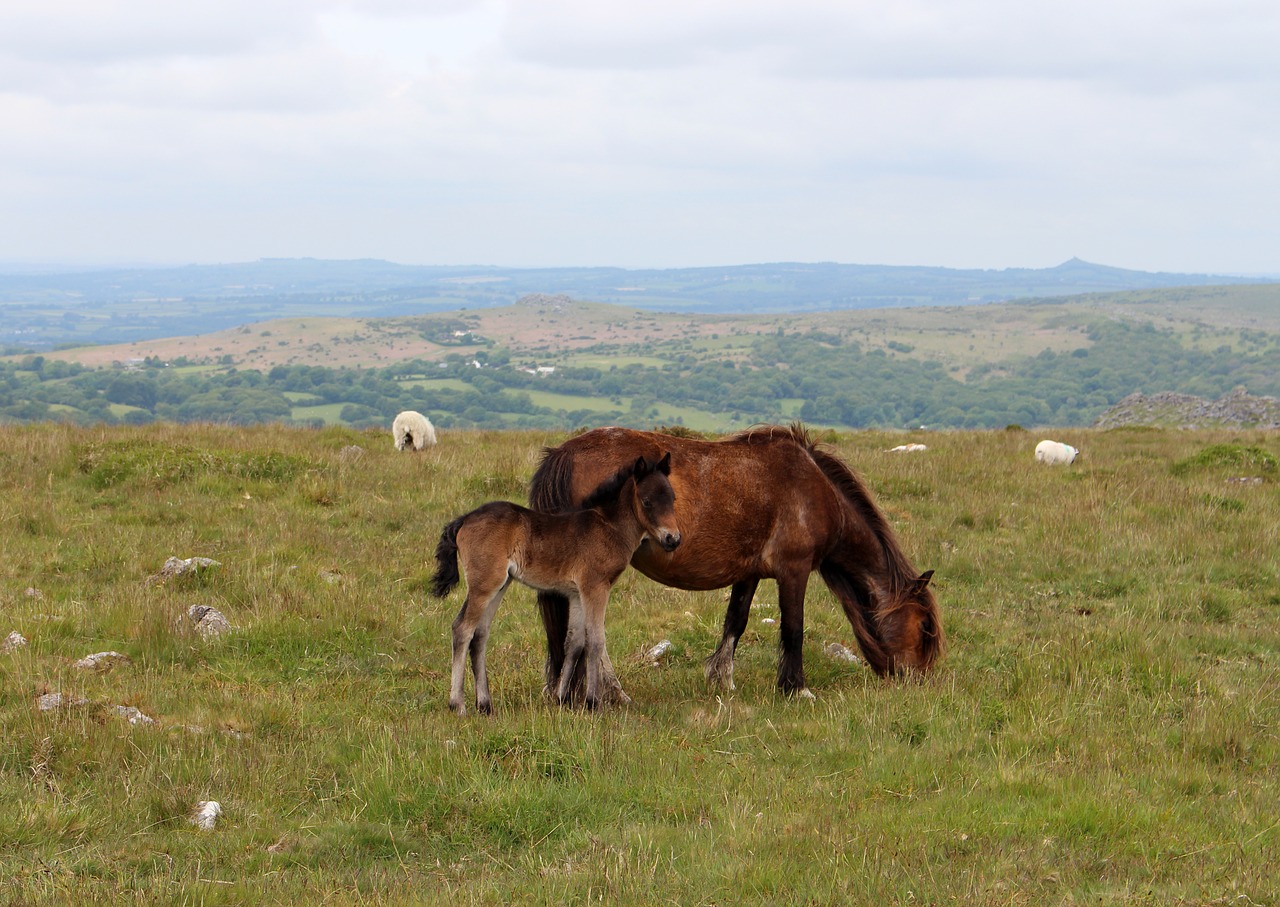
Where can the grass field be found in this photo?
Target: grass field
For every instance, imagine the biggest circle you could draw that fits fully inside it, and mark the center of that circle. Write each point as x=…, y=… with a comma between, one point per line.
x=1103, y=729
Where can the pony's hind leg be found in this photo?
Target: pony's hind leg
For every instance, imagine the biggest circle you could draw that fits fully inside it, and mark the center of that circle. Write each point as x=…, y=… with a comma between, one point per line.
x=719, y=667
x=574, y=644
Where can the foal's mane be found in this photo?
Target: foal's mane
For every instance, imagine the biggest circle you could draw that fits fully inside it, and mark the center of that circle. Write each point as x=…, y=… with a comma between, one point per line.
x=852, y=489
x=607, y=491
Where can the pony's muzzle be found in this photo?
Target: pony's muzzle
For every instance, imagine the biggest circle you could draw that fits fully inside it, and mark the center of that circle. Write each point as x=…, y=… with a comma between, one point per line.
x=669, y=541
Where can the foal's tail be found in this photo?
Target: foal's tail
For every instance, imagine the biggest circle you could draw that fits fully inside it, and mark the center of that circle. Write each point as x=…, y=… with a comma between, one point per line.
x=447, y=560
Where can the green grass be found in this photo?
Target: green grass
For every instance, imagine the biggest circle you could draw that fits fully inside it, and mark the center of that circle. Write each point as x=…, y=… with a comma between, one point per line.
x=1102, y=731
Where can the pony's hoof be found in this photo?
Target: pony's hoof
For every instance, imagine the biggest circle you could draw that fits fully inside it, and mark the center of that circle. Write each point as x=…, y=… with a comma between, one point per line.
x=458, y=708
x=485, y=707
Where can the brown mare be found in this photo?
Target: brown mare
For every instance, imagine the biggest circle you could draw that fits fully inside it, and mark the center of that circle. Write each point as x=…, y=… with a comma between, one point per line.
x=765, y=503
x=577, y=555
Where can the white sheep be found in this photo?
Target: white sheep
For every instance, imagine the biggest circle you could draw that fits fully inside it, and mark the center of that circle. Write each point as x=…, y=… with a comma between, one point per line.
x=1055, y=453
x=412, y=430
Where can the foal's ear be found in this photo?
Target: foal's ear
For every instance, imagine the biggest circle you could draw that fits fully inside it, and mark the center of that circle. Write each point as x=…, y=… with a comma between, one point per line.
x=922, y=581
x=664, y=465
x=641, y=469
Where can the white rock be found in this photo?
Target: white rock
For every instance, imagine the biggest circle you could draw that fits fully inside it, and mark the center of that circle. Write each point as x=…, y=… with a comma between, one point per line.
x=101, y=661
x=51, y=701
x=658, y=651
x=133, y=715
x=177, y=566
x=840, y=653
x=209, y=622
x=12, y=643
x=907, y=448
x=206, y=814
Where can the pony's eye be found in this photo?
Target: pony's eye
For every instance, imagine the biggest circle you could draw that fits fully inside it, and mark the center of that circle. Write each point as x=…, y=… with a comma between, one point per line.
x=645, y=502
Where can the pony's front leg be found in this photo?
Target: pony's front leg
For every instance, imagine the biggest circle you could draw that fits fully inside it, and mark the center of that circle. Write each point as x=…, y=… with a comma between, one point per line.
x=791, y=591
x=574, y=644
x=719, y=667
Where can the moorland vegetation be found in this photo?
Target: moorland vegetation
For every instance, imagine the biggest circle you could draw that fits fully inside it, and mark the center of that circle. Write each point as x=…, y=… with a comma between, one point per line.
x=1102, y=729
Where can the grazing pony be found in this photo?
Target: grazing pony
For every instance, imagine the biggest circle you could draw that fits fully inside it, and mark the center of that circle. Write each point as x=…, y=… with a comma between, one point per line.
x=578, y=555
x=765, y=503
x=412, y=431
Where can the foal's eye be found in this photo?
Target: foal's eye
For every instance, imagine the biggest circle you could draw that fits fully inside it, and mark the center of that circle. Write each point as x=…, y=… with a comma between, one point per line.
x=645, y=502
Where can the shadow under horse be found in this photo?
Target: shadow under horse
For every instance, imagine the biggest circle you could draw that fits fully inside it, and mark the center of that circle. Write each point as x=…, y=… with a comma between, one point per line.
x=767, y=503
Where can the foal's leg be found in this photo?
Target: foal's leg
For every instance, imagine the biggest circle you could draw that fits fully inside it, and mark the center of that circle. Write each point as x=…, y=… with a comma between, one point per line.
x=719, y=667
x=479, y=643
x=593, y=607
x=791, y=663
x=483, y=595
x=574, y=644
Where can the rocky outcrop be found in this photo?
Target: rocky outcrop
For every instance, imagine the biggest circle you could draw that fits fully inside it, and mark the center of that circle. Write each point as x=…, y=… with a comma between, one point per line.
x=1237, y=409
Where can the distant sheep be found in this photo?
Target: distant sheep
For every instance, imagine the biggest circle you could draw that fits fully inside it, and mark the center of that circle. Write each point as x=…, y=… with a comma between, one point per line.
x=1055, y=453
x=413, y=430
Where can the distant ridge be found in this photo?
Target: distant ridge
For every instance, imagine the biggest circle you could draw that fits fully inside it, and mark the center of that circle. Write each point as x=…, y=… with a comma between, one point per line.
x=41, y=310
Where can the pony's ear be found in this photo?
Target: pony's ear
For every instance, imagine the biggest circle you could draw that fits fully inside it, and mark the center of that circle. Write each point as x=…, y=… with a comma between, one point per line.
x=664, y=465
x=641, y=469
x=922, y=581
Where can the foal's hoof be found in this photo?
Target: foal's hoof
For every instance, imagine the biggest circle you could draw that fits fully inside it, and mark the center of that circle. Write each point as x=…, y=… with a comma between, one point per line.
x=458, y=708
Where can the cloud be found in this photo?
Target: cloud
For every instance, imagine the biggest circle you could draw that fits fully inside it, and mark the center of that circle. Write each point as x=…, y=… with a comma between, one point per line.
x=975, y=133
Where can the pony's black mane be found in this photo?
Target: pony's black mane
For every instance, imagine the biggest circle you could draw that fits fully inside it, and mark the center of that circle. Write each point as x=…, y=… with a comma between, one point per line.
x=607, y=491
x=852, y=489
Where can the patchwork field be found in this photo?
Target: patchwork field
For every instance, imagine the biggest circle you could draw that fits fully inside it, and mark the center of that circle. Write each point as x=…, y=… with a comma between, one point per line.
x=1103, y=729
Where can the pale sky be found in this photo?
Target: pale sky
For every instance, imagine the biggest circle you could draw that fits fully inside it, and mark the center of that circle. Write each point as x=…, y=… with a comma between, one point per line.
x=963, y=133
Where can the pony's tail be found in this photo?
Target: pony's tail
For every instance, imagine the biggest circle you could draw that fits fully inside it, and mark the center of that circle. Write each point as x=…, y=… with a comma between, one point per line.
x=549, y=489
x=841, y=585
x=549, y=492
x=447, y=560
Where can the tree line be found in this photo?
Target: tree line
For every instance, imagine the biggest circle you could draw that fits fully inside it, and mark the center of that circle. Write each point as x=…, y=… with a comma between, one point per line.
x=838, y=382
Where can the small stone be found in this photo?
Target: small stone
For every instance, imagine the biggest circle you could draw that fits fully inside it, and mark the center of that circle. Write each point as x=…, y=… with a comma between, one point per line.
x=209, y=622
x=52, y=701
x=177, y=566
x=840, y=653
x=33, y=592
x=655, y=654
x=12, y=643
x=101, y=661
x=134, y=715
x=206, y=814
